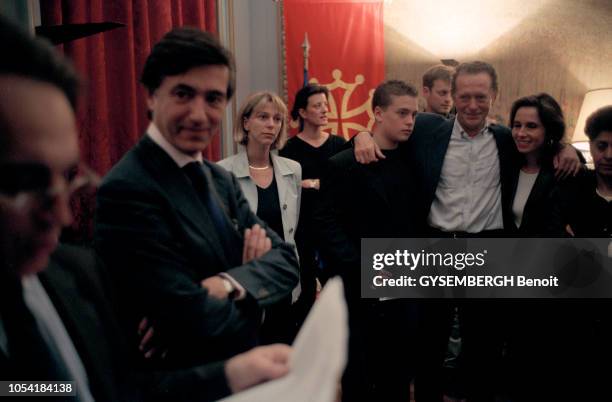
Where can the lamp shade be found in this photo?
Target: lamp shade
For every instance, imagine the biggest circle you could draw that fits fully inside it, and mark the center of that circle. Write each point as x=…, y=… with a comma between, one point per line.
x=593, y=100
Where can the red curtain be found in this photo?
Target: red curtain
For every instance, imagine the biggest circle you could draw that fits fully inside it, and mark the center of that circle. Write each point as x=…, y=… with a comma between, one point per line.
x=346, y=54
x=112, y=113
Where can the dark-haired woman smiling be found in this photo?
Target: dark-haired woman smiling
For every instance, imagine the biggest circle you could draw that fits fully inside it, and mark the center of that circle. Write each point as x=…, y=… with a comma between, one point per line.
x=538, y=127
x=537, y=342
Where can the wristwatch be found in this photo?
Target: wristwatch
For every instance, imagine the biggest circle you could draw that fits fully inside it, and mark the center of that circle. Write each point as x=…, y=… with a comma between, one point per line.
x=229, y=287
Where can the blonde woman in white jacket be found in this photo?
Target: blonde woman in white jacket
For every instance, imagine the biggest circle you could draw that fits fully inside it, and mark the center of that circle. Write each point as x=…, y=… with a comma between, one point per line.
x=272, y=186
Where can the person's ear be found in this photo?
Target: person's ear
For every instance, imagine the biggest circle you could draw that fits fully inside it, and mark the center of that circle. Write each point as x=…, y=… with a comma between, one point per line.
x=378, y=112
x=151, y=102
x=493, y=96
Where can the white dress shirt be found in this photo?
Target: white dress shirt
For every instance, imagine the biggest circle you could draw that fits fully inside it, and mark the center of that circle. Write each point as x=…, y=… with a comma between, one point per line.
x=468, y=196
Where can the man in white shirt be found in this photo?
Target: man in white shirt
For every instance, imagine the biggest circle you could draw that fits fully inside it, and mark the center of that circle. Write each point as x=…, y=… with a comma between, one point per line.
x=465, y=166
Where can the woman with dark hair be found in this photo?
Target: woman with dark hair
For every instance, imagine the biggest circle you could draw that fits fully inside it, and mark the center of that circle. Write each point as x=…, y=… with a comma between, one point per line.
x=311, y=147
x=538, y=127
x=540, y=333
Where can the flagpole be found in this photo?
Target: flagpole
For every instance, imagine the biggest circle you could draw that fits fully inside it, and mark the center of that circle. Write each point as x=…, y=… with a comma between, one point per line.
x=306, y=48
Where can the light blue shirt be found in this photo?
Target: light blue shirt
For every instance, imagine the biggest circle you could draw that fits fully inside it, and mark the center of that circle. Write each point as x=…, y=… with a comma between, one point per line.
x=468, y=196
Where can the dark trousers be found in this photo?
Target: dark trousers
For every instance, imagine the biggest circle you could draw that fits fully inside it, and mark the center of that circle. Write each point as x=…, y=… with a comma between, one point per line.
x=434, y=325
x=279, y=324
x=383, y=347
x=483, y=333
x=308, y=273
x=556, y=350
x=482, y=330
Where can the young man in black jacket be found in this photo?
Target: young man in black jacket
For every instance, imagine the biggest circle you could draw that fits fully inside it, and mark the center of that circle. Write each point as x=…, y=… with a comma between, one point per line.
x=383, y=189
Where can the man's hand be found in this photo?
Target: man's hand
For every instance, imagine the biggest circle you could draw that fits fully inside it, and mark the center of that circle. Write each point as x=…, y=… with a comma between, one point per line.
x=311, y=183
x=147, y=341
x=256, y=243
x=258, y=365
x=216, y=287
x=566, y=162
x=366, y=150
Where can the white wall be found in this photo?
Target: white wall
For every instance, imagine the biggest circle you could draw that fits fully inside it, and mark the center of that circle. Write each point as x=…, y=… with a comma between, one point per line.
x=254, y=27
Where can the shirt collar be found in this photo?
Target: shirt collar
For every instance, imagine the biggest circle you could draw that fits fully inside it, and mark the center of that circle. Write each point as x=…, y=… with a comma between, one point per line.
x=177, y=156
x=607, y=198
x=460, y=132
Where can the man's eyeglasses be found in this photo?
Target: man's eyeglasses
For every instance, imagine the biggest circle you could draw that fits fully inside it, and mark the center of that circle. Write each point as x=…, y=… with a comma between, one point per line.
x=30, y=179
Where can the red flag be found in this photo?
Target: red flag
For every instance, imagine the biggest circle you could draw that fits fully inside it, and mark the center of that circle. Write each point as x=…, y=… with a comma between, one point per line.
x=346, y=55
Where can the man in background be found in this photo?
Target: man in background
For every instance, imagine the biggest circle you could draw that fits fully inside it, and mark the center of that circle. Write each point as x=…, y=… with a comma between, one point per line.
x=437, y=90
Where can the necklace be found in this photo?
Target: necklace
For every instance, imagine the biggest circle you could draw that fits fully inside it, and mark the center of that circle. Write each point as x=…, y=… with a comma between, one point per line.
x=530, y=170
x=259, y=168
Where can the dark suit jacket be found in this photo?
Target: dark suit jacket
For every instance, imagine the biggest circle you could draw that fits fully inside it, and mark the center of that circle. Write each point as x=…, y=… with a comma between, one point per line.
x=76, y=291
x=565, y=338
x=538, y=217
x=426, y=151
x=156, y=237
x=79, y=291
x=427, y=148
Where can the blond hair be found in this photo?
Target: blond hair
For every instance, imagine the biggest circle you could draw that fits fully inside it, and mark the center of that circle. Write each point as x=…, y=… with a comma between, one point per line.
x=255, y=102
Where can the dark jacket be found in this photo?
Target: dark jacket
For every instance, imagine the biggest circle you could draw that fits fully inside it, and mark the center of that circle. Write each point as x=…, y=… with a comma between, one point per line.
x=426, y=151
x=158, y=241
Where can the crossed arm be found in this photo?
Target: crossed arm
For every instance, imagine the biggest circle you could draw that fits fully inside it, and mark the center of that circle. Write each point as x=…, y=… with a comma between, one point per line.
x=159, y=274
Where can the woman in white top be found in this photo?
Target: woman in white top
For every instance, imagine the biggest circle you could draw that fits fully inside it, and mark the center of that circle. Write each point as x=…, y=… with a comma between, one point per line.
x=534, y=327
x=271, y=184
x=538, y=127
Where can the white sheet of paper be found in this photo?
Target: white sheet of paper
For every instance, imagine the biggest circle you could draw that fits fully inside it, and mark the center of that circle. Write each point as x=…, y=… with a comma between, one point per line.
x=318, y=358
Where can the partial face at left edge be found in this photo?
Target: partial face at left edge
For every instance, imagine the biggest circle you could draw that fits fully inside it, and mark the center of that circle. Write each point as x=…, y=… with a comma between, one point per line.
x=42, y=127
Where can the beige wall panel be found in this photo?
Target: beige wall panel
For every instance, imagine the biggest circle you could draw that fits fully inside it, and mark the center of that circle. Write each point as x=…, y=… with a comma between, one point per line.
x=563, y=48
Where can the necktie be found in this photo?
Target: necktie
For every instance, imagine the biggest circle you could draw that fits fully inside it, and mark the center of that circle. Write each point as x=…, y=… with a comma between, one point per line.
x=195, y=172
x=29, y=354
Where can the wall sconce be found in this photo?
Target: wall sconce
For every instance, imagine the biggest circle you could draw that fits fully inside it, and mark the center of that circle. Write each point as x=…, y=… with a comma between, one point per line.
x=593, y=100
